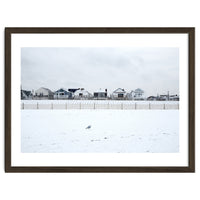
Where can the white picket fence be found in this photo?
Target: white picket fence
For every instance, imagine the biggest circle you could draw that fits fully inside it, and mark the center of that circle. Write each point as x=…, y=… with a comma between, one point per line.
x=119, y=106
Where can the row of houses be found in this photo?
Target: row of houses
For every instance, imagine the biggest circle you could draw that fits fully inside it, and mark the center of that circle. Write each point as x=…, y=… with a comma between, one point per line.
x=81, y=93
x=164, y=98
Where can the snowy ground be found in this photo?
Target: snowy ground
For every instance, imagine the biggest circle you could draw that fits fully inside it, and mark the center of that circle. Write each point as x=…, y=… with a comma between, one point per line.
x=112, y=131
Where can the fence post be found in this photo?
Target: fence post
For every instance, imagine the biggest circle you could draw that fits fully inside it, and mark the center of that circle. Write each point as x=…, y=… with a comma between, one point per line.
x=164, y=106
x=149, y=106
x=122, y=106
x=23, y=106
x=108, y=105
x=80, y=106
x=52, y=106
x=66, y=106
x=135, y=106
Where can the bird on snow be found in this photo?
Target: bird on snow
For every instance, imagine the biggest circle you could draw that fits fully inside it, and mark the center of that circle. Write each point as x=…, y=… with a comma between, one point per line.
x=88, y=127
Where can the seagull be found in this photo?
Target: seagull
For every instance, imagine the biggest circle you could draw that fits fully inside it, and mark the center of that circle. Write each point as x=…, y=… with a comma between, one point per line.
x=88, y=127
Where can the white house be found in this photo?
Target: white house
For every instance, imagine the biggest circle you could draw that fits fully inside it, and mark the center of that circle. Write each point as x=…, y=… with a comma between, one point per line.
x=101, y=94
x=44, y=92
x=137, y=94
x=119, y=94
x=82, y=94
x=62, y=94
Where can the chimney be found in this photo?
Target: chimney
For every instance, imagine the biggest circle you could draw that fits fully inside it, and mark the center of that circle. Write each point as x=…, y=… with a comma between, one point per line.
x=106, y=92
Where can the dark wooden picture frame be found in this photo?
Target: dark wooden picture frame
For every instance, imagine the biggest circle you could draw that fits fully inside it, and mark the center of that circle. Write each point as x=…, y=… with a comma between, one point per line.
x=191, y=100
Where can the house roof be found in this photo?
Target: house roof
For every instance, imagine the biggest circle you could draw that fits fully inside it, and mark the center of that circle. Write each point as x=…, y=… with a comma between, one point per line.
x=62, y=90
x=119, y=90
x=100, y=91
x=163, y=95
x=174, y=95
x=139, y=90
x=83, y=91
x=26, y=93
x=73, y=89
x=45, y=89
x=152, y=97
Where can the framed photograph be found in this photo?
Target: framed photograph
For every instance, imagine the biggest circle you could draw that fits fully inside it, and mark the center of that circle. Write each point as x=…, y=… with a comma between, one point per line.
x=99, y=99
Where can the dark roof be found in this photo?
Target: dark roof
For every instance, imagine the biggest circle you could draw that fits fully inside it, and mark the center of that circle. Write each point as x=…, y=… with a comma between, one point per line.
x=63, y=90
x=73, y=90
x=152, y=97
x=26, y=92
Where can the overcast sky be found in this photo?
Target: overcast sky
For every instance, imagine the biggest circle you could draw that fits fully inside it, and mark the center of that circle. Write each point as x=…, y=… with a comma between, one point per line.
x=155, y=70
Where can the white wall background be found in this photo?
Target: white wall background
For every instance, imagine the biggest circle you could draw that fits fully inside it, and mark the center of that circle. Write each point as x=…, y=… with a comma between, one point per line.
x=90, y=13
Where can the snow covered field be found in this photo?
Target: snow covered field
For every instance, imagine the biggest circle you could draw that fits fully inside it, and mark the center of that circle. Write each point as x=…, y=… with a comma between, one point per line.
x=112, y=131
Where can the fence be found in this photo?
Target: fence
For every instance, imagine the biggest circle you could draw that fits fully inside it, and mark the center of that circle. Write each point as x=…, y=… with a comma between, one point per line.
x=119, y=106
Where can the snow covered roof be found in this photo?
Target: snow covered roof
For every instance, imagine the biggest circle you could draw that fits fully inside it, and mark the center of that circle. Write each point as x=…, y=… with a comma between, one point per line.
x=138, y=90
x=119, y=90
x=100, y=91
x=61, y=90
x=83, y=91
x=46, y=89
